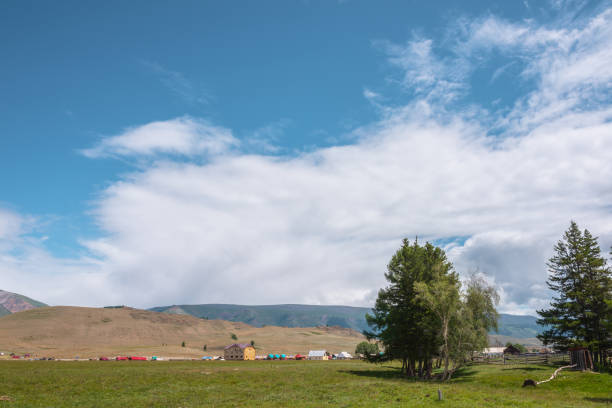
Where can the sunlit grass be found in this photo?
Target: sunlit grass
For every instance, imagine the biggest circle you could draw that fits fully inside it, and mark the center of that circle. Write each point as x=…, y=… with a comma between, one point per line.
x=284, y=384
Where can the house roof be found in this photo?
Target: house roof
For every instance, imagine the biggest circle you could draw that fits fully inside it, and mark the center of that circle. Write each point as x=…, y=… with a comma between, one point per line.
x=494, y=350
x=241, y=345
x=316, y=353
x=511, y=349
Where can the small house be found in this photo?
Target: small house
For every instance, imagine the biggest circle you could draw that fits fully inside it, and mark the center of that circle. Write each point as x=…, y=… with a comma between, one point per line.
x=493, y=351
x=343, y=355
x=317, y=355
x=239, y=351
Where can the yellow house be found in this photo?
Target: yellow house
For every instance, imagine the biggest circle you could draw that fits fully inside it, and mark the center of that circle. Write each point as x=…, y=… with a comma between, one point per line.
x=239, y=352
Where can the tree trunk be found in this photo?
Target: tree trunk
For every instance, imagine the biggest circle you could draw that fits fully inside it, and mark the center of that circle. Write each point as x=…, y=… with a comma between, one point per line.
x=445, y=336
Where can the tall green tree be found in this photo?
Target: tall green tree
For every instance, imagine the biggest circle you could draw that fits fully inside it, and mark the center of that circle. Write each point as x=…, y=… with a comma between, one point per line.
x=422, y=314
x=465, y=318
x=367, y=349
x=443, y=299
x=583, y=289
x=405, y=326
x=476, y=318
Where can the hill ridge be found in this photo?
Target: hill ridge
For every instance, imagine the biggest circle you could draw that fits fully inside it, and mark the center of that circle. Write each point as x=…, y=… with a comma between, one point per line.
x=68, y=331
x=14, y=302
x=301, y=315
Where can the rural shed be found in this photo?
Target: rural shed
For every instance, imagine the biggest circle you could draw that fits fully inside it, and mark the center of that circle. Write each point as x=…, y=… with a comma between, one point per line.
x=343, y=355
x=239, y=351
x=492, y=351
x=511, y=350
x=317, y=355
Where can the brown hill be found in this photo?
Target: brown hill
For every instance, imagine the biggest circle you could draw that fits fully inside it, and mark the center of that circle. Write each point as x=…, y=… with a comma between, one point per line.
x=91, y=332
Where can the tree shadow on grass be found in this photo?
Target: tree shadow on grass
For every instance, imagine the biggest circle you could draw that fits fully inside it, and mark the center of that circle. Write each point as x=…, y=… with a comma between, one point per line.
x=596, y=399
x=464, y=374
x=394, y=373
x=525, y=368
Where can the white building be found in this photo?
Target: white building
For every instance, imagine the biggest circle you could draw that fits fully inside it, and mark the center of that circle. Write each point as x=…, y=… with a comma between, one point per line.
x=492, y=351
x=317, y=355
x=343, y=355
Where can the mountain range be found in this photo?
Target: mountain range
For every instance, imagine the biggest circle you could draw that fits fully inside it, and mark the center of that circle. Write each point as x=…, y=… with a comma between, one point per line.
x=511, y=327
x=14, y=302
x=291, y=315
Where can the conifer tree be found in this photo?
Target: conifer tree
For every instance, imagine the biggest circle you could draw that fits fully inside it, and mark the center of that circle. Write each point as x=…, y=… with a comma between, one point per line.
x=583, y=285
x=403, y=324
x=422, y=315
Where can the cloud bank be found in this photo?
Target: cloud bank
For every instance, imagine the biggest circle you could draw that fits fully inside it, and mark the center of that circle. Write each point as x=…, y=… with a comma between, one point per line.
x=497, y=188
x=181, y=136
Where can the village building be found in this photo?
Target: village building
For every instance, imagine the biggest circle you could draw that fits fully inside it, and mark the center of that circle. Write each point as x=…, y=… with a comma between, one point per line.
x=317, y=355
x=238, y=351
x=343, y=355
x=512, y=350
x=493, y=351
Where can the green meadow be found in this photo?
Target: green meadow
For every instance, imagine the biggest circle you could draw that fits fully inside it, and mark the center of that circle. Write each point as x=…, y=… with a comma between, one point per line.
x=286, y=384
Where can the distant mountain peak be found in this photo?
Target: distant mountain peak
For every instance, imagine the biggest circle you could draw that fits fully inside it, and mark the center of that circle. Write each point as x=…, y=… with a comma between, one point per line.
x=13, y=302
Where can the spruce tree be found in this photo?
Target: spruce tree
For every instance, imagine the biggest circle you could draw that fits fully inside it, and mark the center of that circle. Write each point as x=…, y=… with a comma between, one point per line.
x=583, y=285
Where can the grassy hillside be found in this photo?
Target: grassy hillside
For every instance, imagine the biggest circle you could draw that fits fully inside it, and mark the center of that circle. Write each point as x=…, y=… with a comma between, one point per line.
x=277, y=315
x=510, y=326
x=518, y=326
x=287, y=384
x=91, y=332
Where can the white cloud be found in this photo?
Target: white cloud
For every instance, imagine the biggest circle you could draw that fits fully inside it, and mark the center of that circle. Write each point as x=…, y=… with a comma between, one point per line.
x=179, y=84
x=372, y=96
x=500, y=71
x=11, y=224
x=568, y=62
x=257, y=229
x=429, y=76
x=321, y=226
x=184, y=136
x=266, y=138
x=27, y=268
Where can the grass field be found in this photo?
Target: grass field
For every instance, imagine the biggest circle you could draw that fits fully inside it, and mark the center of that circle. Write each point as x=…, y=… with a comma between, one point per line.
x=285, y=384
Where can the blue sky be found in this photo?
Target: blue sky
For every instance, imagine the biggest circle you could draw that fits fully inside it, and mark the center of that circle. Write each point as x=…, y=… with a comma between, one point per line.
x=308, y=127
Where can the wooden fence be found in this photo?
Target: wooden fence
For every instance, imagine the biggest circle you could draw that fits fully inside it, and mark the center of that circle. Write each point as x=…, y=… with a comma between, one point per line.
x=527, y=358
